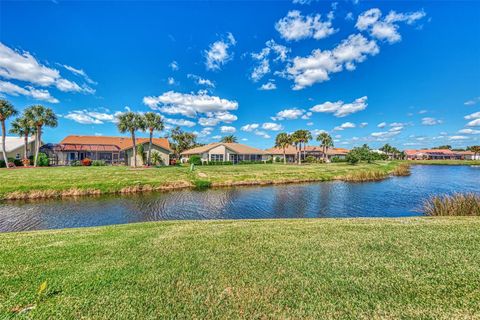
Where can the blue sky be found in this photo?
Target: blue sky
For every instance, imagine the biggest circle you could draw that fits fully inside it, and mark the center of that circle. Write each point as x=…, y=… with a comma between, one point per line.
x=407, y=73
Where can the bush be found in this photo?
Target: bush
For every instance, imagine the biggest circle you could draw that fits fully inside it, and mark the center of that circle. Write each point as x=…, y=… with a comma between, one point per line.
x=86, y=162
x=16, y=162
x=42, y=160
x=2, y=163
x=310, y=159
x=338, y=159
x=157, y=159
x=99, y=163
x=195, y=159
x=75, y=163
x=219, y=163
x=453, y=205
x=202, y=184
x=278, y=159
x=352, y=158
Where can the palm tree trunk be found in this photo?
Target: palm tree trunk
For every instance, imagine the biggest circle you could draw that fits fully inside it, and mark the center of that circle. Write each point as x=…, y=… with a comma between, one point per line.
x=134, y=150
x=150, y=148
x=4, y=144
x=284, y=157
x=25, y=156
x=37, y=144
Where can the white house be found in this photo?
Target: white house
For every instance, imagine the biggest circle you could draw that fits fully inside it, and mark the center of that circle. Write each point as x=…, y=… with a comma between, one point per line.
x=15, y=147
x=219, y=152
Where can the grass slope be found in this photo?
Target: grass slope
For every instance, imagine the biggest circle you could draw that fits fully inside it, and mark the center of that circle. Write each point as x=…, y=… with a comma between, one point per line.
x=447, y=162
x=50, y=182
x=320, y=269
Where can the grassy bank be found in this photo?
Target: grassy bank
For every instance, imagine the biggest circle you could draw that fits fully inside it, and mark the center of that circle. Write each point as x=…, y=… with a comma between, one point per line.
x=447, y=162
x=336, y=268
x=70, y=181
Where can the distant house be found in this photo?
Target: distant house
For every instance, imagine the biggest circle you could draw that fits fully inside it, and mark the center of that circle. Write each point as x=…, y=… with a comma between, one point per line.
x=15, y=147
x=310, y=151
x=112, y=150
x=469, y=155
x=433, y=154
x=218, y=152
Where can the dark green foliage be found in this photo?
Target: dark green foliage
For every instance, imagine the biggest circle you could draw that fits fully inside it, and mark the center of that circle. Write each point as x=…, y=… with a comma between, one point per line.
x=195, y=159
x=98, y=163
x=42, y=160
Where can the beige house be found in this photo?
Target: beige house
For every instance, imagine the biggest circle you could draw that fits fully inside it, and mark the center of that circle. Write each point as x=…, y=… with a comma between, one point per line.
x=219, y=152
x=15, y=147
x=310, y=151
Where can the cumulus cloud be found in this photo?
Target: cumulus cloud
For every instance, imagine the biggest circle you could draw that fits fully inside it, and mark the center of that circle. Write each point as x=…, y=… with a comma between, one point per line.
x=472, y=102
x=218, y=53
x=189, y=104
x=469, y=131
x=387, y=28
x=345, y=125
x=268, y=86
x=363, y=124
x=317, y=67
x=291, y=114
x=214, y=118
x=272, y=51
x=174, y=65
x=171, y=81
x=272, y=126
x=91, y=117
x=428, y=121
x=179, y=122
x=262, y=134
x=38, y=94
x=23, y=66
x=341, y=109
x=201, y=81
x=382, y=125
x=458, y=138
x=250, y=127
x=227, y=129
x=295, y=26
x=474, y=115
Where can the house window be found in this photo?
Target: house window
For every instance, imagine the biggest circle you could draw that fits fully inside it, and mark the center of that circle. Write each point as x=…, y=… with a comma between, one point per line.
x=17, y=156
x=216, y=157
x=71, y=156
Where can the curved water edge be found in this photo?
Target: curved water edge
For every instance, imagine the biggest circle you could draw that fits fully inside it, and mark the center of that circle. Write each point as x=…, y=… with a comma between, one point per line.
x=394, y=197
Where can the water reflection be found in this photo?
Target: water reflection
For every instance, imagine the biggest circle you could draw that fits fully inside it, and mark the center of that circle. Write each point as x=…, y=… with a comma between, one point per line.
x=390, y=198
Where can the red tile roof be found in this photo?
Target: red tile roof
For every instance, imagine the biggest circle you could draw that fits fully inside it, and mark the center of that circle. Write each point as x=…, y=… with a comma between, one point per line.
x=110, y=143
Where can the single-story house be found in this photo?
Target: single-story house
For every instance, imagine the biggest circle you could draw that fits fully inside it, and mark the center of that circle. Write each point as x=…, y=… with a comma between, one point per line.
x=310, y=151
x=15, y=147
x=218, y=152
x=469, y=155
x=112, y=150
x=433, y=154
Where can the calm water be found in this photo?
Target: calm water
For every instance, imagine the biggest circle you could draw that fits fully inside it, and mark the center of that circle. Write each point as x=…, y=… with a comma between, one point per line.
x=394, y=197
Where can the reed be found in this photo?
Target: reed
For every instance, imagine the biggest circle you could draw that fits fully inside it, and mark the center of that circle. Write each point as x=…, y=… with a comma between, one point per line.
x=458, y=204
x=402, y=169
x=363, y=175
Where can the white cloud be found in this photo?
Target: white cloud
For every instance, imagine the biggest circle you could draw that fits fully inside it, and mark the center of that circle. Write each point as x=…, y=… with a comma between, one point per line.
x=349, y=16
x=318, y=66
x=272, y=50
x=201, y=81
x=189, y=104
x=422, y=111
x=250, y=127
x=316, y=132
x=90, y=117
x=262, y=134
x=474, y=115
x=25, y=67
x=179, y=122
x=385, y=134
x=345, y=125
x=268, y=86
x=272, y=126
x=290, y=114
x=428, y=121
x=174, y=65
x=227, y=129
x=474, y=123
x=79, y=72
x=386, y=29
x=38, y=94
x=472, y=102
x=214, y=118
x=341, y=109
x=171, y=81
x=469, y=131
x=218, y=53
x=458, y=138
x=295, y=26
x=363, y=124
x=382, y=124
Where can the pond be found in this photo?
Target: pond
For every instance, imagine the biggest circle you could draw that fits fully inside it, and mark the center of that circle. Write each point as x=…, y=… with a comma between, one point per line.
x=393, y=197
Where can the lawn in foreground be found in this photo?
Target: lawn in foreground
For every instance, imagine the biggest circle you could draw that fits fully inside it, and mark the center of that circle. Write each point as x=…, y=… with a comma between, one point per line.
x=116, y=179
x=317, y=268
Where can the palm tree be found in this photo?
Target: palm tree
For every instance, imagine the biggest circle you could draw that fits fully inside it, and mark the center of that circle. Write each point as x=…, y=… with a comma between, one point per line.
x=306, y=137
x=40, y=117
x=475, y=150
x=131, y=122
x=283, y=141
x=7, y=110
x=297, y=142
x=229, y=139
x=326, y=142
x=387, y=149
x=22, y=127
x=153, y=122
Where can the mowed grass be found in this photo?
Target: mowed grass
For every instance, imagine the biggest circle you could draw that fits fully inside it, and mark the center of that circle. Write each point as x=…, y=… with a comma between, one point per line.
x=35, y=182
x=447, y=162
x=425, y=268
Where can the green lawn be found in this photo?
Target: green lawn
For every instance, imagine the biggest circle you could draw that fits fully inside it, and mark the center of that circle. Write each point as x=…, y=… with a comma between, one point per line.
x=56, y=181
x=447, y=162
x=426, y=268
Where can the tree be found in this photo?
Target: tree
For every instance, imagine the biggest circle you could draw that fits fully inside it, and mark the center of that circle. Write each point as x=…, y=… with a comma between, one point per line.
x=153, y=122
x=131, y=122
x=22, y=127
x=181, y=140
x=447, y=146
x=306, y=137
x=475, y=150
x=40, y=117
x=297, y=142
x=229, y=139
x=7, y=110
x=283, y=141
x=326, y=142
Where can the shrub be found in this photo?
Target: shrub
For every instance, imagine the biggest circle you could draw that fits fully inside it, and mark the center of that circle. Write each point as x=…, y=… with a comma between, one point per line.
x=202, y=184
x=310, y=159
x=16, y=162
x=2, y=163
x=26, y=162
x=86, y=162
x=157, y=159
x=402, y=170
x=98, y=163
x=195, y=159
x=75, y=163
x=42, y=160
x=458, y=204
x=278, y=159
x=352, y=158
x=338, y=159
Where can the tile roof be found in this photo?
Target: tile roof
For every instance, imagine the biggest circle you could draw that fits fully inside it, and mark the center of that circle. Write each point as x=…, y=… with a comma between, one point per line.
x=14, y=143
x=236, y=147
x=120, y=143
